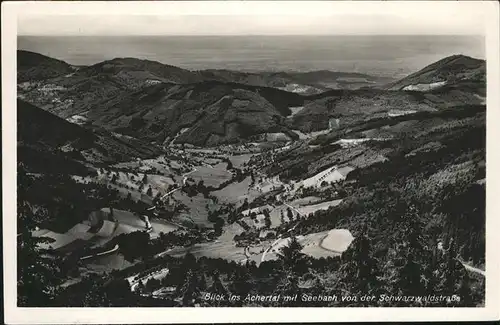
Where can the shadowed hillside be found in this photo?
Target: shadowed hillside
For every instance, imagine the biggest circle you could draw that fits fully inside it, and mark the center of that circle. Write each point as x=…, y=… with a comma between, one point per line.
x=35, y=66
x=43, y=136
x=207, y=113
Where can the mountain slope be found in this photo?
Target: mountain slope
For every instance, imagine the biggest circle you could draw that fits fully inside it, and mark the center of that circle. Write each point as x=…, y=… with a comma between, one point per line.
x=208, y=113
x=131, y=70
x=161, y=103
x=43, y=136
x=449, y=70
x=453, y=81
x=34, y=66
x=306, y=83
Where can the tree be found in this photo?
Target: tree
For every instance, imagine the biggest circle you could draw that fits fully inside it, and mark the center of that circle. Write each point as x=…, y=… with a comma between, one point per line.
x=134, y=245
x=114, y=178
x=244, y=206
x=362, y=268
x=202, y=283
x=289, y=214
x=189, y=290
x=37, y=275
x=145, y=178
x=240, y=282
x=219, y=223
x=453, y=270
x=152, y=285
x=410, y=274
x=409, y=277
x=119, y=293
x=229, y=164
x=291, y=254
x=464, y=292
x=217, y=287
x=288, y=286
x=267, y=222
x=149, y=191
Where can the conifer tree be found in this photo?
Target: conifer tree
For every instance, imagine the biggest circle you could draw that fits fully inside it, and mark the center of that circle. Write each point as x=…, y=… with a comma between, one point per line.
x=289, y=214
x=464, y=292
x=37, y=275
x=189, y=290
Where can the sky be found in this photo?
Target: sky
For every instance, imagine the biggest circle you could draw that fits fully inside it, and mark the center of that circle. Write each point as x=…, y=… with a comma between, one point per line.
x=240, y=19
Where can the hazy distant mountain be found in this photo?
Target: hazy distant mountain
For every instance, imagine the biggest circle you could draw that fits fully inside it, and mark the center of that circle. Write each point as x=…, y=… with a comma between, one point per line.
x=158, y=102
x=306, y=83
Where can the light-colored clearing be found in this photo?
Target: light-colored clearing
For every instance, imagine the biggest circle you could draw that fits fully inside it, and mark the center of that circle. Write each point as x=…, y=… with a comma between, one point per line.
x=296, y=109
x=305, y=201
x=310, y=135
x=322, y=244
x=425, y=87
x=305, y=210
x=211, y=176
x=239, y=160
x=236, y=193
x=332, y=174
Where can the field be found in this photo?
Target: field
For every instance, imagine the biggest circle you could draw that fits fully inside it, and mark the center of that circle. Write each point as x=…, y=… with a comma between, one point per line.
x=197, y=211
x=304, y=201
x=236, y=193
x=106, y=264
x=296, y=109
x=146, y=165
x=311, y=135
x=59, y=240
x=239, y=160
x=306, y=209
x=322, y=244
x=130, y=222
x=258, y=223
x=211, y=176
x=300, y=205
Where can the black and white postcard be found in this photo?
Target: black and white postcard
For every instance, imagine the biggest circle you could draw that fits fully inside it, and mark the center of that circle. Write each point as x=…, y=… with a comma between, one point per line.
x=182, y=155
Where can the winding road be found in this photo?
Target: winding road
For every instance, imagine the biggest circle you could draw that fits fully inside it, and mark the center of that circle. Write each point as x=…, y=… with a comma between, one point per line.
x=112, y=250
x=184, y=180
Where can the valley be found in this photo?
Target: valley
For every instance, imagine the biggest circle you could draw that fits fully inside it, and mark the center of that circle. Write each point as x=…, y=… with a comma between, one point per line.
x=144, y=184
